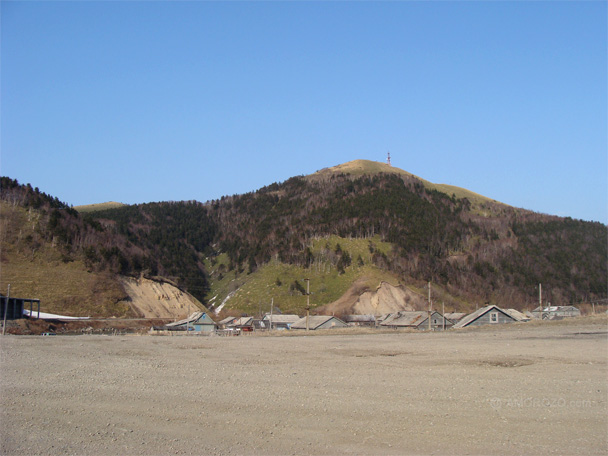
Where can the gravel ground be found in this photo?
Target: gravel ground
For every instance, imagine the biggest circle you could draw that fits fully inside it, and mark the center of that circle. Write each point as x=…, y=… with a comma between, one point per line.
x=520, y=389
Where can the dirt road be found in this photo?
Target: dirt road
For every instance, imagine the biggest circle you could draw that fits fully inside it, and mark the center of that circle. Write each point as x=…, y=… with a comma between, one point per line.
x=521, y=389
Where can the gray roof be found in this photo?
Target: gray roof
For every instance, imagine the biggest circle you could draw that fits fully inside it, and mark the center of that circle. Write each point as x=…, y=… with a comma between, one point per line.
x=409, y=318
x=478, y=313
x=388, y=317
x=516, y=315
x=406, y=318
x=191, y=319
x=227, y=320
x=454, y=316
x=314, y=321
x=243, y=321
x=282, y=318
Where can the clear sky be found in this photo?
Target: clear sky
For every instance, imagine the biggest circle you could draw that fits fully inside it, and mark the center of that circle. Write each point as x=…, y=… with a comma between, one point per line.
x=155, y=101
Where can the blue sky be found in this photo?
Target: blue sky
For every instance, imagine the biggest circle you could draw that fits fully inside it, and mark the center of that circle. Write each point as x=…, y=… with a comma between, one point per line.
x=156, y=101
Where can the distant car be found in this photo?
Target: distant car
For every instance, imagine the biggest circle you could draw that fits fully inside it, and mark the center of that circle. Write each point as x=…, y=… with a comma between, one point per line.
x=49, y=334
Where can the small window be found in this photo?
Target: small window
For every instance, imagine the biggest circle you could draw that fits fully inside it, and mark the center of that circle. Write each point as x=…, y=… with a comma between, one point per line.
x=494, y=317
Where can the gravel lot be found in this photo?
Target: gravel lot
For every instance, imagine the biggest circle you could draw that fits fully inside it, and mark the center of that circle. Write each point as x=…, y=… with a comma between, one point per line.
x=519, y=389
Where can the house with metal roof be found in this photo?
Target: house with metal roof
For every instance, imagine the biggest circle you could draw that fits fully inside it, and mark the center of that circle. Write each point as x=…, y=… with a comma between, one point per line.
x=243, y=323
x=197, y=322
x=417, y=320
x=488, y=315
x=455, y=317
x=319, y=322
x=385, y=318
x=279, y=321
x=226, y=322
x=556, y=312
x=519, y=316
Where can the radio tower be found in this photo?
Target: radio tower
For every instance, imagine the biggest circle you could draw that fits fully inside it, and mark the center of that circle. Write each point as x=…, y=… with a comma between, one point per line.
x=388, y=159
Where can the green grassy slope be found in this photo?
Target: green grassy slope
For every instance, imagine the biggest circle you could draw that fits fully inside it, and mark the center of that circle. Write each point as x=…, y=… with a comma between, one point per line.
x=98, y=207
x=37, y=269
x=252, y=293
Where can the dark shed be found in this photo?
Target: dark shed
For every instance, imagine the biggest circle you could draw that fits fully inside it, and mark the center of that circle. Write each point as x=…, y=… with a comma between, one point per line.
x=13, y=307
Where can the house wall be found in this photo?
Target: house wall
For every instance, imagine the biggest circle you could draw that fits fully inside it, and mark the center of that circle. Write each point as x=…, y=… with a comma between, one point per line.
x=204, y=327
x=281, y=325
x=556, y=314
x=436, y=323
x=204, y=324
x=566, y=313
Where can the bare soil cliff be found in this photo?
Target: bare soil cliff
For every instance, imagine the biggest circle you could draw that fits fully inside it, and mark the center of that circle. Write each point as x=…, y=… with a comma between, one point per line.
x=386, y=298
x=155, y=299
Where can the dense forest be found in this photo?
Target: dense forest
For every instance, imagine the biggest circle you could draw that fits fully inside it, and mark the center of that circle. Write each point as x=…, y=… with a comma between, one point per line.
x=490, y=253
x=175, y=237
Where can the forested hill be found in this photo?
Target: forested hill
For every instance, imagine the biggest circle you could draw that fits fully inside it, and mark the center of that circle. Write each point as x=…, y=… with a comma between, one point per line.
x=434, y=236
x=476, y=249
x=131, y=242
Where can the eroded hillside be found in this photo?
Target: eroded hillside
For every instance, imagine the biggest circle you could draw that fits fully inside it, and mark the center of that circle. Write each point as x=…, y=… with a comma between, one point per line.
x=158, y=299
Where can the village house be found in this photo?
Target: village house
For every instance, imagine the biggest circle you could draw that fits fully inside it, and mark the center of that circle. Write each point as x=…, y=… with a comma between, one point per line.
x=279, y=321
x=242, y=324
x=416, y=320
x=556, y=312
x=385, y=318
x=517, y=315
x=455, y=317
x=197, y=322
x=223, y=324
x=319, y=322
x=486, y=316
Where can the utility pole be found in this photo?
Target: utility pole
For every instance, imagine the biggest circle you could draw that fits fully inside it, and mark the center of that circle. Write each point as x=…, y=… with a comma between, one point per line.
x=429, y=305
x=443, y=313
x=307, y=301
x=271, y=308
x=8, y=295
x=188, y=320
x=540, y=300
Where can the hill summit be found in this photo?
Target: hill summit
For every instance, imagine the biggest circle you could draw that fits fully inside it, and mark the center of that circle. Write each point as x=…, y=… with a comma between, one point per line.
x=362, y=167
x=358, y=168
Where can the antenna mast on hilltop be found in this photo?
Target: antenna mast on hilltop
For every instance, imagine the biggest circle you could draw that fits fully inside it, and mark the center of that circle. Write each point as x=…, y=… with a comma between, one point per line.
x=388, y=159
